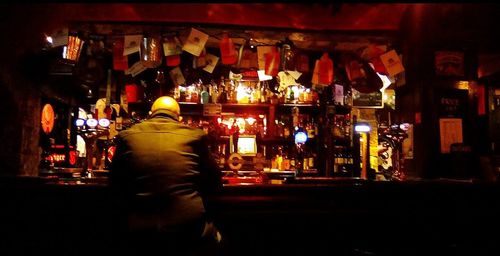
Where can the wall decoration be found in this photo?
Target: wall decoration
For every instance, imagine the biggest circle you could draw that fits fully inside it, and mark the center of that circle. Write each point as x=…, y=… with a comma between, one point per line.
x=448, y=63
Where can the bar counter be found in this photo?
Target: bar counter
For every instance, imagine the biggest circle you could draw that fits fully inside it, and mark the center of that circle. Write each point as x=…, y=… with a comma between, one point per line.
x=345, y=216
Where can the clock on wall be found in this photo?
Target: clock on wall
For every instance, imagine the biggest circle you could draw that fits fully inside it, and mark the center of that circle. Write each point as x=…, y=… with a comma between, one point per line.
x=47, y=118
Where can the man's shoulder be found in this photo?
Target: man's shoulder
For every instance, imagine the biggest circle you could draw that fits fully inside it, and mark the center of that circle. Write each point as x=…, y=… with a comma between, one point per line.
x=170, y=127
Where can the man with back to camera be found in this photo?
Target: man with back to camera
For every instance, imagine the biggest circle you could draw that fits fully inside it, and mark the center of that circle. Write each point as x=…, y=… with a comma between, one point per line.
x=163, y=172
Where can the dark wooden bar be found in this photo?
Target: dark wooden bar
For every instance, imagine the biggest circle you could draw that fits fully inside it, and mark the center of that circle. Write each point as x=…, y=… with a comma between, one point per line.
x=354, y=217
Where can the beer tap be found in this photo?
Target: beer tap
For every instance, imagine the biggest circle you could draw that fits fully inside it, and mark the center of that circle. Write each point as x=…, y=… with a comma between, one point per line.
x=91, y=130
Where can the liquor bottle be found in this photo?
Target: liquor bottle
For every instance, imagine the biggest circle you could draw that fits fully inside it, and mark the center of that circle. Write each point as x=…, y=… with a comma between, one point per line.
x=233, y=98
x=311, y=133
x=299, y=159
x=263, y=93
x=286, y=160
x=222, y=157
x=347, y=96
x=222, y=98
x=310, y=160
x=154, y=89
x=214, y=93
x=335, y=163
x=204, y=95
x=292, y=156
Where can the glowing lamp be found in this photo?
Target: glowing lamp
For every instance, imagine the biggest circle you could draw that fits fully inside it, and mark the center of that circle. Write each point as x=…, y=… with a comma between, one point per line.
x=104, y=122
x=91, y=122
x=404, y=126
x=300, y=138
x=362, y=127
x=79, y=122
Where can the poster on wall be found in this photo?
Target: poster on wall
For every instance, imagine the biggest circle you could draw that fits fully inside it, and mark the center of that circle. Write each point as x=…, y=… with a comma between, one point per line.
x=450, y=131
x=449, y=63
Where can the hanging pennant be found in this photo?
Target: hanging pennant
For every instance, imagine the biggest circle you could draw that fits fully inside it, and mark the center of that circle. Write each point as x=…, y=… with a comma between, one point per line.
x=195, y=42
x=315, y=77
x=60, y=37
x=372, y=54
x=173, y=60
x=177, y=76
x=150, y=52
x=303, y=63
x=120, y=62
x=261, y=55
x=272, y=62
x=325, y=70
x=287, y=56
x=211, y=62
x=249, y=59
x=172, y=49
x=74, y=48
x=131, y=91
x=229, y=55
x=392, y=63
x=287, y=78
x=136, y=69
x=201, y=61
x=353, y=70
x=370, y=81
x=172, y=46
x=132, y=44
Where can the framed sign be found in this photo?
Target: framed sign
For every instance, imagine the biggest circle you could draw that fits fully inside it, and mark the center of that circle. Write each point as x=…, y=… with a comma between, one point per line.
x=367, y=100
x=47, y=118
x=448, y=63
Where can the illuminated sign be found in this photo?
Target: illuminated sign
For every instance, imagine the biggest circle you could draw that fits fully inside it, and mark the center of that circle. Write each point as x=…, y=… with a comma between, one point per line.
x=79, y=122
x=92, y=122
x=300, y=138
x=362, y=128
x=247, y=145
x=104, y=122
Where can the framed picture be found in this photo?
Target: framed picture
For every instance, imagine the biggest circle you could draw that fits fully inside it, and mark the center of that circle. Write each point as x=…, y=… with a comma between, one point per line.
x=448, y=63
x=367, y=100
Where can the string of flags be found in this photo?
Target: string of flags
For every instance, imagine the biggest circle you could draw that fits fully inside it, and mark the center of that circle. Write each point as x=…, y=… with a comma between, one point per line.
x=269, y=60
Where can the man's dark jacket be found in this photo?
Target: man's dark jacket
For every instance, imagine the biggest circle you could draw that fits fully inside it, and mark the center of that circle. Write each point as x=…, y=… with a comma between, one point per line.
x=164, y=171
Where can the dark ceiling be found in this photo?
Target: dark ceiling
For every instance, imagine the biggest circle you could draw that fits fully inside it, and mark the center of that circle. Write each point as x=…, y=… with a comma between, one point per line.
x=319, y=25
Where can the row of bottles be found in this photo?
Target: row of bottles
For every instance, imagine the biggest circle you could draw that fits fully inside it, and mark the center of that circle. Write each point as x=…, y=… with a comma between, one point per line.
x=341, y=128
x=243, y=92
x=226, y=126
x=343, y=164
x=293, y=158
x=287, y=126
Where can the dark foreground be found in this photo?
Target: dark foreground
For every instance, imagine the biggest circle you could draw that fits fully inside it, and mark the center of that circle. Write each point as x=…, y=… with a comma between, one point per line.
x=343, y=218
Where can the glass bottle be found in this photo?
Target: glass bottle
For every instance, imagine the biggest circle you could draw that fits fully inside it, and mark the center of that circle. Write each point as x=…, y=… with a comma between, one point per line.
x=222, y=92
x=155, y=89
x=204, y=96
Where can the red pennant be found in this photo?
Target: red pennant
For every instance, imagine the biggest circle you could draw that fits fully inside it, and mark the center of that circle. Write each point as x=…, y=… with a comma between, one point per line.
x=229, y=55
x=374, y=56
x=132, y=91
x=303, y=63
x=120, y=62
x=173, y=60
x=325, y=69
x=272, y=62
